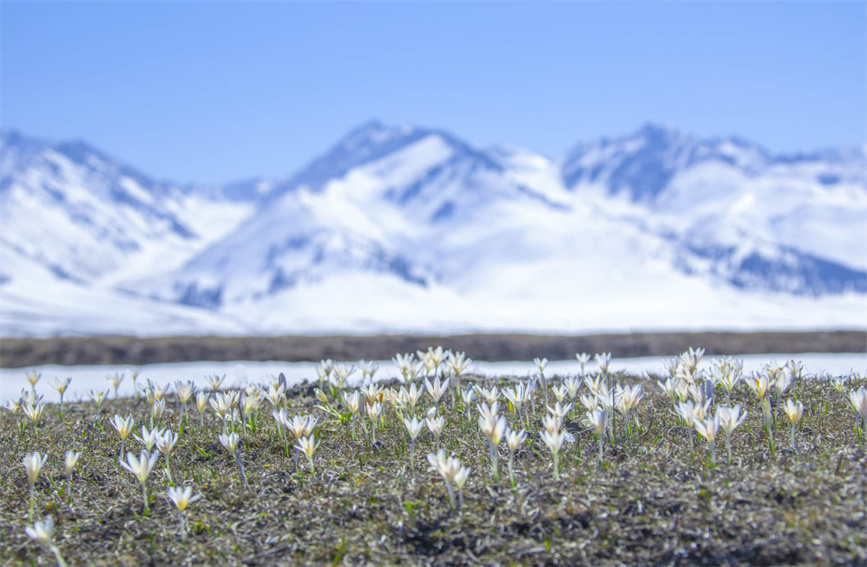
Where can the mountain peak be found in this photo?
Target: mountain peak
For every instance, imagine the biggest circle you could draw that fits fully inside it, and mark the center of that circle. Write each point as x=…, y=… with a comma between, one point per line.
x=656, y=130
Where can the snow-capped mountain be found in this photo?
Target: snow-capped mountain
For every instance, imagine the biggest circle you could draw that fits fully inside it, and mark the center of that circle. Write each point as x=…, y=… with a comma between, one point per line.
x=402, y=228
x=76, y=221
x=788, y=223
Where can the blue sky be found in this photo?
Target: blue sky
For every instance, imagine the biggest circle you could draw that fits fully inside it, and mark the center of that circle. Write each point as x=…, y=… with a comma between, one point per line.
x=220, y=91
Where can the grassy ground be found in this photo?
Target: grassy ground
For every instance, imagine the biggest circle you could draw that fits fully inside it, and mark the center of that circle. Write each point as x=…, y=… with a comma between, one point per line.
x=654, y=500
x=17, y=353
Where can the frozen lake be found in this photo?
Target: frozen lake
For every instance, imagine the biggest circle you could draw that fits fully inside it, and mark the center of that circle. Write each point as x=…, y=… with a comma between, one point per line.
x=85, y=378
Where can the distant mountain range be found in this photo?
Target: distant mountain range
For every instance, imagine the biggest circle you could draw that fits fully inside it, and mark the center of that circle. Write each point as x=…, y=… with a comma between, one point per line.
x=399, y=228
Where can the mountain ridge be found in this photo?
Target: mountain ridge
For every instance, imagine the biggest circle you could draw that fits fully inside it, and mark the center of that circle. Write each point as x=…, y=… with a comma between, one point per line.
x=409, y=216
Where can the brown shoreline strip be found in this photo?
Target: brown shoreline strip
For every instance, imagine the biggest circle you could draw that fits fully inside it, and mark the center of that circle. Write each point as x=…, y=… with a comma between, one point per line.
x=19, y=352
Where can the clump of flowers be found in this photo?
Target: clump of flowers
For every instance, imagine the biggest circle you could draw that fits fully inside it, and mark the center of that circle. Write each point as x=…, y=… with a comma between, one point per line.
x=493, y=427
x=553, y=436
x=454, y=474
x=709, y=429
x=374, y=411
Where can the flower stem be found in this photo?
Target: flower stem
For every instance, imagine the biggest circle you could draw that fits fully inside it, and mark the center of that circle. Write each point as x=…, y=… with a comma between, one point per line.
x=494, y=461
x=241, y=469
x=451, y=495
x=729, y=447
x=169, y=470
x=512, y=468
x=56, y=552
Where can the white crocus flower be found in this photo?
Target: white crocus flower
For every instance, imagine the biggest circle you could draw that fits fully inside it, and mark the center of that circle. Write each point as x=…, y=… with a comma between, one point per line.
x=123, y=428
x=166, y=445
x=115, y=381
x=276, y=395
x=583, y=358
x=436, y=389
x=33, y=464
x=729, y=420
x=468, y=396
x=352, y=401
x=185, y=391
x=554, y=441
x=760, y=384
x=148, y=437
x=411, y=395
x=604, y=361
x=157, y=410
x=231, y=442
x=488, y=395
x=595, y=384
x=13, y=406
x=436, y=423
x=141, y=469
x=590, y=402
x=33, y=413
x=515, y=396
x=413, y=427
x=459, y=364
x=708, y=429
x=450, y=469
x=668, y=387
x=598, y=420
x=794, y=411
x=97, y=396
x=493, y=428
x=308, y=446
x=61, y=385
x=70, y=461
x=182, y=497
x=858, y=401
x=201, y=405
x=215, y=381
x=43, y=532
